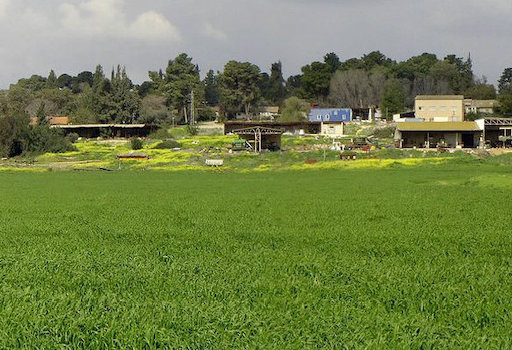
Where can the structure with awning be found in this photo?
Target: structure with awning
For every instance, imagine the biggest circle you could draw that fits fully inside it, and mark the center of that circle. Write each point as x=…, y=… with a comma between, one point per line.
x=438, y=134
x=261, y=137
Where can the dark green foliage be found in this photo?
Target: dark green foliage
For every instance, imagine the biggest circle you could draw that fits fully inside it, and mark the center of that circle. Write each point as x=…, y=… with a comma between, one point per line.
x=315, y=81
x=64, y=81
x=72, y=137
x=180, y=81
x=51, y=81
x=41, y=115
x=192, y=130
x=17, y=137
x=34, y=83
x=136, y=143
x=240, y=86
x=14, y=132
x=481, y=90
x=294, y=109
x=161, y=133
x=206, y=114
x=505, y=104
x=273, y=85
x=154, y=110
x=42, y=139
x=393, y=98
x=211, y=89
x=123, y=101
x=168, y=144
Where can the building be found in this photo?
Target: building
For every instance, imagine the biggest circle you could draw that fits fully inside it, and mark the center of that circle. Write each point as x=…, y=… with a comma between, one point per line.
x=261, y=137
x=438, y=134
x=331, y=120
x=343, y=115
x=269, y=112
x=480, y=106
x=440, y=108
x=296, y=128
x=107, y=130
x=497, y=131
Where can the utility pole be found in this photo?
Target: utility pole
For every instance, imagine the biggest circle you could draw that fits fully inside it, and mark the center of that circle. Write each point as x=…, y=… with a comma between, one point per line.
x=192, y=108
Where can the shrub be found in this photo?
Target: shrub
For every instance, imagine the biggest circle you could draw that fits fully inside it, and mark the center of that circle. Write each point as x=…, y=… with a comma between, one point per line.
x=192, y=130
x=168, y=144
x=161, y=134
x=44, y=139
x=136, y=143
x=73, y=137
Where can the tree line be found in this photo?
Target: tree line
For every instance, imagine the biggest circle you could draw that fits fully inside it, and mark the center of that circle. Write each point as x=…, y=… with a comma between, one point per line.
x=178, y=94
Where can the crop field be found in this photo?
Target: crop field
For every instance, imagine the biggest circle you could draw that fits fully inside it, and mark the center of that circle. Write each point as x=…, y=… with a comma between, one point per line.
x=402, y=257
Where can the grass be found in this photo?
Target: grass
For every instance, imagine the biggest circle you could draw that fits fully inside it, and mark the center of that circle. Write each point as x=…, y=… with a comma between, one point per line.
x=408, y=257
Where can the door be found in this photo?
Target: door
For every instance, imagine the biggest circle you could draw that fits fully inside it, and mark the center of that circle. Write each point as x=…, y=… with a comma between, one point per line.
x=468, y=140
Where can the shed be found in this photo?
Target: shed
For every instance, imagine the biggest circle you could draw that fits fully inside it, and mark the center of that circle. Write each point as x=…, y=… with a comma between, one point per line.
x=438, y=134
x=261, y=137
x=110, y=130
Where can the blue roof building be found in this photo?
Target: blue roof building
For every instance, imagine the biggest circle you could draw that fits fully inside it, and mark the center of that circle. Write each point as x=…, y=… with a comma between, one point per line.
x=330, y=115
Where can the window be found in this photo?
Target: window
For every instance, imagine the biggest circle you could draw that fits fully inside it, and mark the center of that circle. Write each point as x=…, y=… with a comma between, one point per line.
x=318, y=117
x=327, y=117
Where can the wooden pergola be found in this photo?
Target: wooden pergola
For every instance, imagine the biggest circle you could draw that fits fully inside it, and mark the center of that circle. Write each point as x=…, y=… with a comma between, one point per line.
x=258, y=133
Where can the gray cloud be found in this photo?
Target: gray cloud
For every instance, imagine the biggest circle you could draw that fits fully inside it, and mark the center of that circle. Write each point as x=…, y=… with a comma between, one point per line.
x=74, y=35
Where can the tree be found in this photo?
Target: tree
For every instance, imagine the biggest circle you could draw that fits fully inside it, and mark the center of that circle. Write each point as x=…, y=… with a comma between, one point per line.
x=505, y=104
x=181, y=82
x=34, y=83
x=505, y=81
x=124, y=102
x=14, y=131
x=374, y=59
x=239, y=86
x=212, y=89
x=294, y=109
x=273, y=85
x=332, y=61
x=64, y=81
x=315, y=80
x=481, y=90
x=51, y=81
x=357, y=88
x=41, y=115
x=393, y=98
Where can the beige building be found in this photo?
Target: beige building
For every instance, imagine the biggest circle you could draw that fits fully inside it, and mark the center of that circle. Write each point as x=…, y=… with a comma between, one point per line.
x=332, y=129
x=480, y=106
x=440, y=108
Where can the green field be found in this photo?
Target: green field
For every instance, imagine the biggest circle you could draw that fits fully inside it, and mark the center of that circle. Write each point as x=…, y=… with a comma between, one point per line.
x=377, y=258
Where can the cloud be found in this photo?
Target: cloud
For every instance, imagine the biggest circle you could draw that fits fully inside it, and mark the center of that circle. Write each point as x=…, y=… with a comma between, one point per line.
x=210, y=31
x=107, y=19
x=4, y=4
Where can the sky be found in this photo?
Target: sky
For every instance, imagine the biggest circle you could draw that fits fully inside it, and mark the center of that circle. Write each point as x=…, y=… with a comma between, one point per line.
x=70, y=36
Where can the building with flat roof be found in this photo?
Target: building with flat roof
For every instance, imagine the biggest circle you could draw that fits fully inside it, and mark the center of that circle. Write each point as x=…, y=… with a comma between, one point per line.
x=438, y=134
x=439, y=108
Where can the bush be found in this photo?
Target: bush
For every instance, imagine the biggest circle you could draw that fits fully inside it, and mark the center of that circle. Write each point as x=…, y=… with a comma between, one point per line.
x=73, y=137
x=192, y=130
x=161, y=134
x=136, y=143
x=168, y=144
x=44, y=139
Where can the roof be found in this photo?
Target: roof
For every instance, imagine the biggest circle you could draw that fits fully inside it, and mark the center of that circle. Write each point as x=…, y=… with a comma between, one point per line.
x=437, y=126
x=91, y=126
x=485, y=103
x=269, y=109
x=440, y=97
x=58, y=120
x=260, y=130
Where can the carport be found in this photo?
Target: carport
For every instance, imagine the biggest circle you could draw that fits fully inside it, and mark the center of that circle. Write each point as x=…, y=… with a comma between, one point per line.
x=261, y=137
